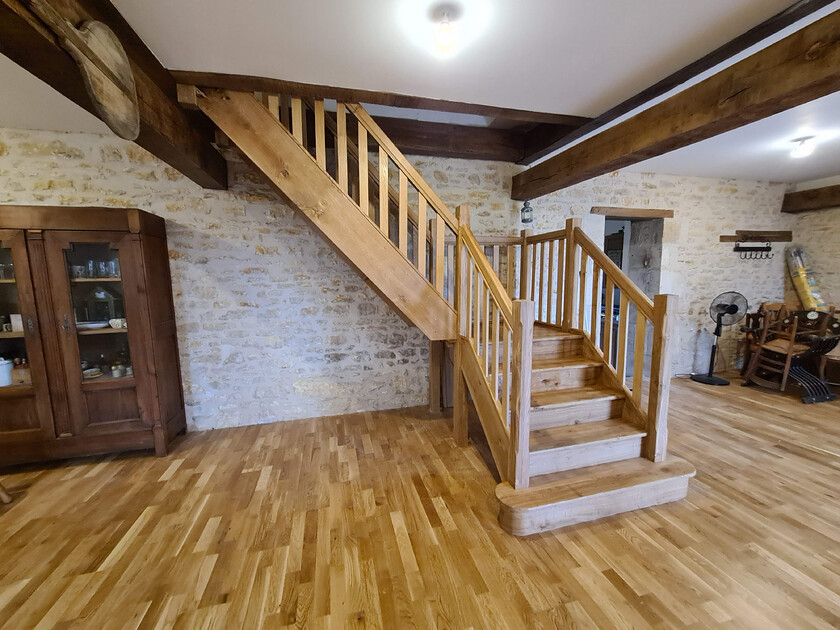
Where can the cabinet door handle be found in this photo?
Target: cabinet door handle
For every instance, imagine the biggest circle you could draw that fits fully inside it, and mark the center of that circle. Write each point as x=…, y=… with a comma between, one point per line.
x=30, y=323
x=66, y=326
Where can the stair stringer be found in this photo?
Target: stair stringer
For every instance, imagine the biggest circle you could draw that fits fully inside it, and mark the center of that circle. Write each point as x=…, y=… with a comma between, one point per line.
x=355, y=238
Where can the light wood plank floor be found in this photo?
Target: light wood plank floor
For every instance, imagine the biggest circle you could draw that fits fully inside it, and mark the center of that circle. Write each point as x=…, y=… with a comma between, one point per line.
x=378, y=520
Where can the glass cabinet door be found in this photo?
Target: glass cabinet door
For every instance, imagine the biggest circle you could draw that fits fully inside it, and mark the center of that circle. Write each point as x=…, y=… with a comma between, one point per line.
x=24, y=398
x=95, y=296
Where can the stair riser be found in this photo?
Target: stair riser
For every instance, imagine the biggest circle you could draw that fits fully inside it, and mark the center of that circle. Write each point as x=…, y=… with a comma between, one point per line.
x=585, y=411
x=556, y=348
x=590, y=508
x=581, y=455
x=564, y=378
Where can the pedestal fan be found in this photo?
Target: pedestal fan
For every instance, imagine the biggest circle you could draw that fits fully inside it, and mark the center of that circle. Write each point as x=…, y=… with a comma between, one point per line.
x=726, y=309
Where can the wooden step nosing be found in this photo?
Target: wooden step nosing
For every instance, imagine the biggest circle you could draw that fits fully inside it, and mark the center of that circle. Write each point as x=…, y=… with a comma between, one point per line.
x=637, y=434
x=676, y=488
x=576, y=401
x=568, y=366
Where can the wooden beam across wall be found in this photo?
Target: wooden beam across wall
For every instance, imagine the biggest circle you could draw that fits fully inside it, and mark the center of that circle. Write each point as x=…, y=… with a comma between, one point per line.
x=180, y=139
x=815, y=199
x=632, y=213
x=784, y=19
x=800, y=68
x=244, y=83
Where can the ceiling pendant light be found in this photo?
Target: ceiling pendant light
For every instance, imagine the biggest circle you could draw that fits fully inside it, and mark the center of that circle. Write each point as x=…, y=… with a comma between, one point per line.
x=804, y=147
x=444, y=35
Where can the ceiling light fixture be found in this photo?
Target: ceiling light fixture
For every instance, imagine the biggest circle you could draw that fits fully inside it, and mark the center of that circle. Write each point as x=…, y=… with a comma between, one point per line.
x=444, y=35
x=804, y=147
x=445, y=17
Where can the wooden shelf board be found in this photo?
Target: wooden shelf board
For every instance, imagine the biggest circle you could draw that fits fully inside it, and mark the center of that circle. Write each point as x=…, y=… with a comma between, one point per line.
x=7, y=280
x=102, y=331
x=108, y=382
x=93, y=280
x=17, y=334
x=16, y=391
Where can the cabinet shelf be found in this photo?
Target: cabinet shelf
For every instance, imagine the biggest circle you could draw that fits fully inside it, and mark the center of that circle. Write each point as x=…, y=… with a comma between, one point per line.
x=16, y=391
x=108, y=382
x=17, y=334
x=103, y=331
x=7, y=280
x=93, y=280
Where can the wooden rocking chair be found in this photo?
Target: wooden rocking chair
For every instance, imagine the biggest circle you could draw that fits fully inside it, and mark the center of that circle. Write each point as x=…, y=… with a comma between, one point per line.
x=774, y=350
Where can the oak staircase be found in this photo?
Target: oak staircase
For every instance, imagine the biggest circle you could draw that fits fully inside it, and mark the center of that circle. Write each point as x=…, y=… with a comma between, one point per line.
x=572, y=403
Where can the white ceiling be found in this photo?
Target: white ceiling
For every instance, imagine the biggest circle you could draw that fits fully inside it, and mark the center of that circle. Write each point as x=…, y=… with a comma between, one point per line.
x=606, y=49
x=761, y=151
x=564, y=56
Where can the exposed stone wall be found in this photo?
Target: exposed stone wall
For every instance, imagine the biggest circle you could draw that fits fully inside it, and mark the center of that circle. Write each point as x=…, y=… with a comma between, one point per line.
x=272, y=324
x=695, y=265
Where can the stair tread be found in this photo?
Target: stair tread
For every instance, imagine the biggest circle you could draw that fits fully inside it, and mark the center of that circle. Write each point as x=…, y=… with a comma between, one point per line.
x=586, y=433
x=563, y=362
x=560, y=397
x=541, y=331
x=585, y=482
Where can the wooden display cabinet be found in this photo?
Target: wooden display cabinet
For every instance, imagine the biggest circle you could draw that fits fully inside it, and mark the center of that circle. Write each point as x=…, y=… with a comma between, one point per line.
x=92, y=290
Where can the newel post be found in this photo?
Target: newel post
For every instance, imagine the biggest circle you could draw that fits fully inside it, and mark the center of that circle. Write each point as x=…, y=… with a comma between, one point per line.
x=571, y=281
x=524, y=265
x=460, y=412
x=664, y=321
x=519, y=465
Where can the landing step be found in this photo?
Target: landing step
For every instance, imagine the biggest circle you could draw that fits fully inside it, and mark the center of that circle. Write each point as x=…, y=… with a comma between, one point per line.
x=541, y=331
x=574, y=406
x=562, y=448
x=551, y=343
x=586, y=494
x=564, y=363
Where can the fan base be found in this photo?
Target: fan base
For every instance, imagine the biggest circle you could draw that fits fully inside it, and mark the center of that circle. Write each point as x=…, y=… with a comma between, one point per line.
x=709, y=380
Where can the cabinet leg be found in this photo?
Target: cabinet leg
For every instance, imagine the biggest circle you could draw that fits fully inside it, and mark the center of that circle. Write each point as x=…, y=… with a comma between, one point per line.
x=160, y=441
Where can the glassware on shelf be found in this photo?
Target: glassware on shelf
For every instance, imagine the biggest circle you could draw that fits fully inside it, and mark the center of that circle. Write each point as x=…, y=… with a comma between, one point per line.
x=7, y=271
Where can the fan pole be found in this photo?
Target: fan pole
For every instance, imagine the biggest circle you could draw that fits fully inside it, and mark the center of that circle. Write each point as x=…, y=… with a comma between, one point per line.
x=710, y=378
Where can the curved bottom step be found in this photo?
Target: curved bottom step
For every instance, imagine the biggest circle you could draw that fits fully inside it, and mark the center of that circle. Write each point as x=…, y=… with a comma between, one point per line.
x=586, y=494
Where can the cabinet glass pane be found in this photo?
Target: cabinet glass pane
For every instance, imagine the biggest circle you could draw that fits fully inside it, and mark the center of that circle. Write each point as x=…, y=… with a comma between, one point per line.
x=12, y=342
x=97, y=297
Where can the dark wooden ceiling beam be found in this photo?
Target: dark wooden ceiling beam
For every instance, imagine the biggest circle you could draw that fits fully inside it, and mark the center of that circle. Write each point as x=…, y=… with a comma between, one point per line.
x=181, y=140
x=775, y=24
x=453, y=141
x=798, y=69
x=244, y=83
x=814, y=199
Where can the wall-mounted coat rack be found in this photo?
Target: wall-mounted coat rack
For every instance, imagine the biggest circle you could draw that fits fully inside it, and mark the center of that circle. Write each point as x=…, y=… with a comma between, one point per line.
x=756, y=252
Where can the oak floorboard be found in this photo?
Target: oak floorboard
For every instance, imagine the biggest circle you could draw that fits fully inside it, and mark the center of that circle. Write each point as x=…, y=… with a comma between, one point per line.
x=378, y=520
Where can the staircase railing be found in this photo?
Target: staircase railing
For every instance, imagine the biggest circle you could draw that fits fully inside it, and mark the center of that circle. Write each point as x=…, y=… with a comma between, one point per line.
x=493, y=358
x=578, y=288
x=350, y=147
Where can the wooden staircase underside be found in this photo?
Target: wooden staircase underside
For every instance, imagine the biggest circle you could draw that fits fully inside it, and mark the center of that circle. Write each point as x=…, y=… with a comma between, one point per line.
x=586, y=445
x=353, y=236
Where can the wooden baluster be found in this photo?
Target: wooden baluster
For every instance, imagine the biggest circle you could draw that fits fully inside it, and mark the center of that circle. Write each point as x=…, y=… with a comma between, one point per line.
x=584, y=263
x=460, y=413
x=285, y=106
x=506, y=373
x=383, y=192
x=450, y=257
x=596, y=303
x=571, y=274
x=470, y=290
x=609, y=295
x=664, y=322
x=364, y=195
x=461, y=284
x=486, y=299
x=439, y=259
x=520, y=426
x=402, y=234
x=623, y=321
x=496, y=262
x=524, y=265
x=639, y=355
x=422, y=224
x=550, y=290
x=479, y=286
x=510, y=261
x=561, y=260
x=297, y=120
x=494, y=319
x=533, y=288
x=320, y=135
x=341, y=145
x=540, y=315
